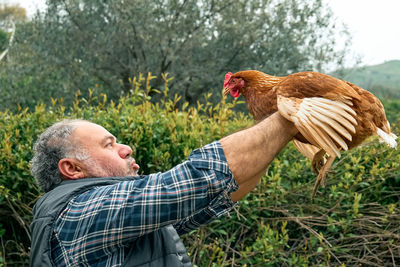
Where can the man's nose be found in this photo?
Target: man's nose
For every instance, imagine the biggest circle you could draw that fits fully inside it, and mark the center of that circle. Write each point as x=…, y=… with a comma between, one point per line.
x=124, y=151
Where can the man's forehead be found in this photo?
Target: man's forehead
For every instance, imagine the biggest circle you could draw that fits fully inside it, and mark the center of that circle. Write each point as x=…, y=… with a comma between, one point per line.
x=90, y=130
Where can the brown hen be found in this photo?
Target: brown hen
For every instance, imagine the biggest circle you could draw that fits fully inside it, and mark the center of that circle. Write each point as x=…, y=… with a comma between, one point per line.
x=330, y=114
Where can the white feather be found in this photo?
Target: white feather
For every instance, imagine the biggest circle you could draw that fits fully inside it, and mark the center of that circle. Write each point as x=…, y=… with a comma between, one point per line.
x=331, y=132
x=389, y=139
x=347, y=122
x=332, y=103
x=331, y=109
x=335, y=125
x=347, y=102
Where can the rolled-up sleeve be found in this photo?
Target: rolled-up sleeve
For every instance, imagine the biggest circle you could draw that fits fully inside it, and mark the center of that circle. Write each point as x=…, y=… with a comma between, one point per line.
x=211, y=158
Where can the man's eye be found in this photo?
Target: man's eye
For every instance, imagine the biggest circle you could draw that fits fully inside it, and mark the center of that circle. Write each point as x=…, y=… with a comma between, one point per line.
x=109, y=145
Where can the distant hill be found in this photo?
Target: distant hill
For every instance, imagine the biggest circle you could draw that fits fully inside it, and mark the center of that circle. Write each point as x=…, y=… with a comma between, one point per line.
x=383, y=80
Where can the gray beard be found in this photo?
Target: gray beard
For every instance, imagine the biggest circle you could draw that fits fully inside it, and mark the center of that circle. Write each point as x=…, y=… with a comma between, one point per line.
x=98, y=170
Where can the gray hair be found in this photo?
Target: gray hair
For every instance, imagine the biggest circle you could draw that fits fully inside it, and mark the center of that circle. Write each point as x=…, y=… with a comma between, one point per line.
x=51, y=146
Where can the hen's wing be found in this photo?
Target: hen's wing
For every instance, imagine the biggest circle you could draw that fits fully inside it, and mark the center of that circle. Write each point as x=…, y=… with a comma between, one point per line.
x=307, y=150
x=324, y=123
x=320, y=107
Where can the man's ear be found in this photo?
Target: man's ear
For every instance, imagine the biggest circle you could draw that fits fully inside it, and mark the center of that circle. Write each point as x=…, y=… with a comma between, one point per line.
x=70, y=169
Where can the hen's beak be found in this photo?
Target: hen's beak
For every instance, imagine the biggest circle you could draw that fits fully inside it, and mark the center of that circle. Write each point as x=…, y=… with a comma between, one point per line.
x=226, y=91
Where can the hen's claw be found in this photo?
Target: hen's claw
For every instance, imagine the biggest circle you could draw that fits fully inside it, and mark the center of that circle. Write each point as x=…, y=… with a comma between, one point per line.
x=318, y=161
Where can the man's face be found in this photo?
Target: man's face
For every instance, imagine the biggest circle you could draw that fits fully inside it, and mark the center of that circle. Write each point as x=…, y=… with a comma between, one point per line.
x=107, y=157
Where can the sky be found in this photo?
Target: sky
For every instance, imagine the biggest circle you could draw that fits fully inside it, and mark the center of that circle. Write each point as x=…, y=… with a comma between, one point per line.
x=374, y=25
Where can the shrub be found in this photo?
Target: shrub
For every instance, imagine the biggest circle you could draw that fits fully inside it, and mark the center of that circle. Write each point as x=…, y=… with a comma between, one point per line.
x=354, y=220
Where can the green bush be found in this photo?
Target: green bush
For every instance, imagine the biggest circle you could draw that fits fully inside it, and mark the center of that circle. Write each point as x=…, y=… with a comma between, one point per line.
x=392, y=108
x=354, y=220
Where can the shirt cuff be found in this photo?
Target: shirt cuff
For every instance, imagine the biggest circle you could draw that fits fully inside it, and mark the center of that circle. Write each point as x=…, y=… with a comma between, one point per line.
x=211, y=157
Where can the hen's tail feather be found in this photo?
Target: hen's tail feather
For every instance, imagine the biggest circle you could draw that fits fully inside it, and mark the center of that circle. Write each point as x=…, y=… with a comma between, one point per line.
x=389, y=139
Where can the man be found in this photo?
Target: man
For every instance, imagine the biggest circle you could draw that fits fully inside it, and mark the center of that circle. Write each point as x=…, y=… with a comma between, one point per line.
x=135, y=220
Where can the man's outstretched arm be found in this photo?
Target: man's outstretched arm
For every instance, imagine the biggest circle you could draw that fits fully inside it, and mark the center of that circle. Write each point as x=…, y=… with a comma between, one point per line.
x=250, y=151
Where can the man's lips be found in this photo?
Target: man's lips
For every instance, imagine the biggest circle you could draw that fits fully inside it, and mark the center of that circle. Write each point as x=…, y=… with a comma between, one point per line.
x=134, y=165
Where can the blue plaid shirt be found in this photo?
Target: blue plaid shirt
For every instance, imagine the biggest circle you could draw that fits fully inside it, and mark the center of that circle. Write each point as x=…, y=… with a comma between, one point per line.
x=97, y=227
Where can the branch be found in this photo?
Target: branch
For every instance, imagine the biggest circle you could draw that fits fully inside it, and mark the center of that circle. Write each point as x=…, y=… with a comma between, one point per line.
x=3, y=55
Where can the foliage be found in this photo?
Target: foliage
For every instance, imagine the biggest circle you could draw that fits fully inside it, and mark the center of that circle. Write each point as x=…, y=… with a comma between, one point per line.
x=3, y=40
x=354, y=220
x=79, y=44
x=392, y=109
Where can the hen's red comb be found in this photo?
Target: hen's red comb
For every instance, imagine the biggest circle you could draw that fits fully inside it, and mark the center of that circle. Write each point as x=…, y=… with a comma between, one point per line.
x=227, y=78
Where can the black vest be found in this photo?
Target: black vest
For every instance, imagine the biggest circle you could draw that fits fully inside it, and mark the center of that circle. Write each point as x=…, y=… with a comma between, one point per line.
x=159, y=248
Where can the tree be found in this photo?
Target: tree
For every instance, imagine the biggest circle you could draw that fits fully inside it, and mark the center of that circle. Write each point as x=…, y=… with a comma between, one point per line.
x=11, y=14
x=81, y=44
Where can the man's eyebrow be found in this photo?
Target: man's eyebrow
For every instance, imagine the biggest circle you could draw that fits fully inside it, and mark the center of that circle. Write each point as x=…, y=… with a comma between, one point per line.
x=108, y=138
